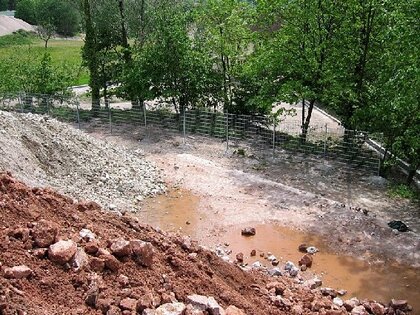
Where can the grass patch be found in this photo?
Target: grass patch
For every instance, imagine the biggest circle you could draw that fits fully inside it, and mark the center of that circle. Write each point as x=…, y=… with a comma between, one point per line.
x=403, y=191
x=18, y=38
x=62, y=51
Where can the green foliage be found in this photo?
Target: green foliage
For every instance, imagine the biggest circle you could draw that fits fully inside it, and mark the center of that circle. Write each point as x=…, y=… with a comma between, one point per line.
x=18, y=38
x=61, y=16
x=26, y=10
x=403, y=191
x=3, y=5
x=21, y=66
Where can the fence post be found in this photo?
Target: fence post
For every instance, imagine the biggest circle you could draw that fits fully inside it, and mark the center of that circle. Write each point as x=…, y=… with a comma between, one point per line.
x=110, y=116
x=325, y=140
x=227, y=131
x=184, y=126
x=274, y=136
x=21, y=103
x=144, y=114
x=78, y=113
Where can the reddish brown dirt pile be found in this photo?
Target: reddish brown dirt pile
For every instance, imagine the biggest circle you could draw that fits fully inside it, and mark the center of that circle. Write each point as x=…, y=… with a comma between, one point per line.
x=51, y=263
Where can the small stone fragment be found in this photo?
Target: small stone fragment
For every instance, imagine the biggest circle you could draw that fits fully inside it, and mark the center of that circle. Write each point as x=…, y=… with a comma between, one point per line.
x=377, y=308
x=213, y=307
x=87, y=235
x=233, y=310
x=97, y=264
x=311, y=250
x=294, y=272
x=359, y=310
x=62, y=251
x=253, y=253
x=302, y=248
x=92, y=247
x=198, y=301
x=240, y=257
x=40, y=252
x=128, y=304
x=80, y=259
x=337, y=301
x=306, y=260
x=248, y=231
x=120, y=248
x=17, y=272
x=143, y=252
x=44, y=233
x=111, y=262
x=171, y=309
x=399, y=304
x=146, y=301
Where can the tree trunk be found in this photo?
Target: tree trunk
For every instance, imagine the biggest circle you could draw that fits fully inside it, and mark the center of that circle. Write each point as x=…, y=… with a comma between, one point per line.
x=412, y=173
x=307, y=121
x=124, y=36
x=90, y=56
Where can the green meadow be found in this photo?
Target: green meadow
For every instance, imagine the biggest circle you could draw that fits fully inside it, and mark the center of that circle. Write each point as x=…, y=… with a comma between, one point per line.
x=62, y=51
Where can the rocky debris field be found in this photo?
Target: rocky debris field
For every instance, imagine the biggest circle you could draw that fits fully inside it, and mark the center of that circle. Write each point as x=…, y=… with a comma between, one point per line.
x=44, y=152
x=58, y=256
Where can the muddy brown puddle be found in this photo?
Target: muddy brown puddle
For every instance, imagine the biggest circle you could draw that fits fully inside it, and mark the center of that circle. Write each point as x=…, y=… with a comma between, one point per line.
x=178, y=212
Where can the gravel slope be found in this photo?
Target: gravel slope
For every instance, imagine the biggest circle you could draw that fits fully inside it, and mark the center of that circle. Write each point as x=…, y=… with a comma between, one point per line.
x=9, y=24
x=43, y=151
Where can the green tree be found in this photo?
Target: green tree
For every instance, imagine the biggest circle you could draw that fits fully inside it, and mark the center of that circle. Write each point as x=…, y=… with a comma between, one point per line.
x=52, y=16
x=391, y=104
x=26, y=10
x=225, y=27
x=106, y=45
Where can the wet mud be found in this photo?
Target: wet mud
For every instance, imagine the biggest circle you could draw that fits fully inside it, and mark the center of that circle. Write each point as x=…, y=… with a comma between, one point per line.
x=367, y=278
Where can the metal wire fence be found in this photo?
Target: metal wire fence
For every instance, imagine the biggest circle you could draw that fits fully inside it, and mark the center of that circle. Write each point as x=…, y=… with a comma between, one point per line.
x=262, y=134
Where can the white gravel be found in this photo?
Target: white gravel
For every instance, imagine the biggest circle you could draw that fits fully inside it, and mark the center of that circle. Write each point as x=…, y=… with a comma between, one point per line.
x=44, y=152
x=9, y=24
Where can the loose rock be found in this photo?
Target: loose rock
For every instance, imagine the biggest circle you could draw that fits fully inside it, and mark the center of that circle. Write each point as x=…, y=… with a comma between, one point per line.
x=171, y=309
x=120, y=248
x=248, y=231
x=62, y=251
x=143, y=252
x=44, y=233
x=17, y=272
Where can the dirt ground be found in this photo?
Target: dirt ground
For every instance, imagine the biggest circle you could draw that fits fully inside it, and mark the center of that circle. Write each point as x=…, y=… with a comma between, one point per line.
x=171, y=270
x=292, y=190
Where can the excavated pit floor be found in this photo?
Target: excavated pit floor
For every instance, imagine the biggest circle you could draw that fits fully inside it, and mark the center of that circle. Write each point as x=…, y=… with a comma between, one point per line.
x=177, y=211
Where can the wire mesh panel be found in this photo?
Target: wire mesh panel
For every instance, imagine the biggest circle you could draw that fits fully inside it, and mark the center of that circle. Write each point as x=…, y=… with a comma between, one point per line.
x=254, y=131
x=352, y=149
x=206, y=123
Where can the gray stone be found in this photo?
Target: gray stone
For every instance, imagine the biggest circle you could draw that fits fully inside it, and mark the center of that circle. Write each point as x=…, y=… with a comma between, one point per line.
x=275, y=272
x=214, y=308
x=198, y=301
x=294, y=271
x=337, y=301
x=289, y=265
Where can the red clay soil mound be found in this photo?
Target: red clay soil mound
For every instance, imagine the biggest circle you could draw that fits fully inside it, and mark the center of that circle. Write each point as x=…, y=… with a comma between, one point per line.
x=61, y=257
